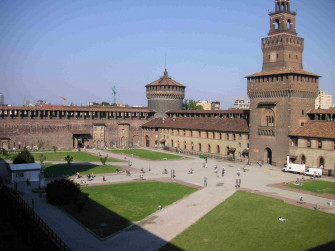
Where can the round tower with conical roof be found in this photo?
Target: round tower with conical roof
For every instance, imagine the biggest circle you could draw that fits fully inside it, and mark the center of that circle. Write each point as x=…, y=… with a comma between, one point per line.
x=164, y=95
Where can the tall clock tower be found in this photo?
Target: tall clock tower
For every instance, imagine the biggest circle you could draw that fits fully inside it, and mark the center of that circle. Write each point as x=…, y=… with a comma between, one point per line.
x=282, y=93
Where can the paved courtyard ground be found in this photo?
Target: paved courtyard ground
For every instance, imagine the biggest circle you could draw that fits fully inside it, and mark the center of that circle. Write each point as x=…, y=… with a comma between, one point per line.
x=161, y=227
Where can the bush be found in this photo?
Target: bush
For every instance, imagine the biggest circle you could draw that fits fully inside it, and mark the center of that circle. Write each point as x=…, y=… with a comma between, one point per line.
x=23, y=157
x=54, y=148
x=68, y=159
x=4, y=152
x=63, y=192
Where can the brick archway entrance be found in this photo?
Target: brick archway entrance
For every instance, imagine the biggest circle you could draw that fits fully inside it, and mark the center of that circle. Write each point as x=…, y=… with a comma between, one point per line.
x=268, y=156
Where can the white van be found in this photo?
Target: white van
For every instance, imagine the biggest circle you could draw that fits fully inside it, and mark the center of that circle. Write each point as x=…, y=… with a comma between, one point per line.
x=314, y=171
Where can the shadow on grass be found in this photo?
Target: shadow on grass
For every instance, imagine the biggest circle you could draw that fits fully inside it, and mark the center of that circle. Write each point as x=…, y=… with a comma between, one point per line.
x=58, y=170
x=97, y=218
x=327, y=246
x=105, y=223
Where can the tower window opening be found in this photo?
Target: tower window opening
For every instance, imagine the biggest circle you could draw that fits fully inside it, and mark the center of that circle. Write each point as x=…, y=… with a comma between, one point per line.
x=289, y=24
x=277, y=24
x=283, y=8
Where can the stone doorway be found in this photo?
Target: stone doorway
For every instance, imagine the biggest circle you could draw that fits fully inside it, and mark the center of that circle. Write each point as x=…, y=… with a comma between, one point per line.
x=268, y=156
x=147, y=141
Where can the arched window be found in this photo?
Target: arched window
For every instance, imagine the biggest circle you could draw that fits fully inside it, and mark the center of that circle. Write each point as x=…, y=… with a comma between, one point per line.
x=209, y=148
x=268, y=118
x=218, y=149
x=303, y=159
x=283, y=7
x=289, y=24
x=185, y=146
x=199, y=147
x=192, y=146
x=277, y=24
x=321, y=162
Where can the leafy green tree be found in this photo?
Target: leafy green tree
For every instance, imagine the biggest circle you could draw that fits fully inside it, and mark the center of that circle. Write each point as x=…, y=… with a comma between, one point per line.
x=103, y=160
x=54, y=148
x=23, y=157
x=42, y=158
x=68, y=159
x=190, y=104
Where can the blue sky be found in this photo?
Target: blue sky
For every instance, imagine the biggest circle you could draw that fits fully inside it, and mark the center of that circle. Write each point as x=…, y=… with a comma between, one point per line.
x=81, y=49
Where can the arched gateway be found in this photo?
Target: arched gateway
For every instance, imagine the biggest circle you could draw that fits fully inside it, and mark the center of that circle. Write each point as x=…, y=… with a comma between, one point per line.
x=268, y=156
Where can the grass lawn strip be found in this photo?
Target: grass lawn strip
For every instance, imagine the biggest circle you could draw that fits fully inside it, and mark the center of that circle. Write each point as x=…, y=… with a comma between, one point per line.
x=146, y=154
x=247, y=221
x=59, y=156
x=316, y=186
x=57, y=170
x=118, y=204
x=77, y=157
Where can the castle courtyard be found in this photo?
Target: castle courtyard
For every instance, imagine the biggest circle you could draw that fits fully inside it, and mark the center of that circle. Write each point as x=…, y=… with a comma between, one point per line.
x=161, y=227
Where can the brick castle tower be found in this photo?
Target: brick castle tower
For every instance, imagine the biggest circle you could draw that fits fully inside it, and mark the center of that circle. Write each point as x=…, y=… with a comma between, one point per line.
x=283, y=93
x=165, y=94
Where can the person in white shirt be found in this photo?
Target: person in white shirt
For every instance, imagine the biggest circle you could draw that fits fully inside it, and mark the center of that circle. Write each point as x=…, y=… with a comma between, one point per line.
x=281, y=219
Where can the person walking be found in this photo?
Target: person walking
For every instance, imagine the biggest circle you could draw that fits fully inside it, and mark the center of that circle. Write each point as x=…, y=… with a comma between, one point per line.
x=223, y=171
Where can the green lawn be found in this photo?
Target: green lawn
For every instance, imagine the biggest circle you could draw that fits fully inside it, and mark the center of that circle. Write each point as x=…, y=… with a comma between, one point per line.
x=118, y=204
x=77, y=157
x=247, y=221
x=57, y=170
x=59, y=156
x=316, y=186
x=146, y=154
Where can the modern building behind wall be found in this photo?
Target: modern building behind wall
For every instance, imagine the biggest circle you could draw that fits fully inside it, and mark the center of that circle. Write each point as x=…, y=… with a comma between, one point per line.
x=209, y=105
x=323, y=100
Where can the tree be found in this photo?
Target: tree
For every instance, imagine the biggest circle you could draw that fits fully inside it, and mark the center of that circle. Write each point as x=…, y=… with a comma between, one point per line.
x=24, y=157
x=42, y=158
x=190, y=104
x=54, y=148
x=68, y=159
x=103, y=160
x=4, y=152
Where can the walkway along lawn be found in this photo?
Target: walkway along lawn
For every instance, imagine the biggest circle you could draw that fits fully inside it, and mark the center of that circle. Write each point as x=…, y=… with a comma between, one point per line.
x=247, y=221
x=118, y=204
x=316, y=186
x=57, y=170
x=146, y=154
